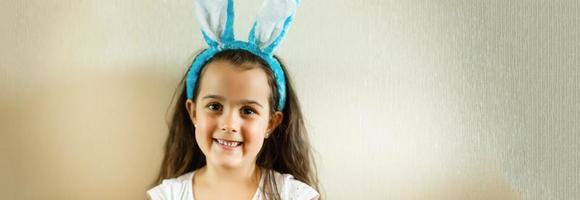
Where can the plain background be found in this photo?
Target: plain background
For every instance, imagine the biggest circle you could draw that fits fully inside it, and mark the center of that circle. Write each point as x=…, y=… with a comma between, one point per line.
x=403, y=99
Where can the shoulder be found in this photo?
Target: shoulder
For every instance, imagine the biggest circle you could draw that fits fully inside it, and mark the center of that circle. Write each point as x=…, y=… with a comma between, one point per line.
x=291, y=188
x=174, y=188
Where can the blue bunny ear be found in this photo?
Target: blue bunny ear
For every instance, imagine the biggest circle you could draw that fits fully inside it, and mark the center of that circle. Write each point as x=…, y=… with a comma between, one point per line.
x=216, y=18
x=271, y=24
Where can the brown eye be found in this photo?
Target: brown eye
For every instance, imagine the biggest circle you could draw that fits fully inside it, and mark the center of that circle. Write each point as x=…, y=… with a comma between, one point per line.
x=214, y=107
x=248, y=111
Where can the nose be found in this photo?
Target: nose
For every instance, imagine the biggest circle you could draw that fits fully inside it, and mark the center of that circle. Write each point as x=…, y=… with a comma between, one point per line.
x=230, y=122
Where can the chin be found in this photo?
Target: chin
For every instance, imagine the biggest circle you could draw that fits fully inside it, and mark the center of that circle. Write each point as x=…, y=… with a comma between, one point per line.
x=227, y=163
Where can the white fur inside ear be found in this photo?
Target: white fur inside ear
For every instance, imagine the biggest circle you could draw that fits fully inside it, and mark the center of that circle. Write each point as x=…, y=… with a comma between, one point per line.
x=270, y=20
x=212, y=16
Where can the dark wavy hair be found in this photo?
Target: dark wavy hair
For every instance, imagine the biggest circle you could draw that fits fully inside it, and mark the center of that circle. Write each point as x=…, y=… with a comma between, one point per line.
x=287, y=150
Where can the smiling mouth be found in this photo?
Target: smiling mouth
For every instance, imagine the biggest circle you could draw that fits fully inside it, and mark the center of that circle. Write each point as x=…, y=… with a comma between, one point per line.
x=226, y=143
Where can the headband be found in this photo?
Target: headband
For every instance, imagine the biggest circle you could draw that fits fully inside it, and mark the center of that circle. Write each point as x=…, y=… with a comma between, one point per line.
x=216, y=18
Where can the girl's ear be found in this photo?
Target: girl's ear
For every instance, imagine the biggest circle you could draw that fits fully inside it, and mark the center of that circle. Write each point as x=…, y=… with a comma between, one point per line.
x=190, y=106
x=274, y=122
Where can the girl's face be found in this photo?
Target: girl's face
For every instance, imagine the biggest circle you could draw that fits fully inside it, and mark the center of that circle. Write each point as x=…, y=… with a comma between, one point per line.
x=232, y=114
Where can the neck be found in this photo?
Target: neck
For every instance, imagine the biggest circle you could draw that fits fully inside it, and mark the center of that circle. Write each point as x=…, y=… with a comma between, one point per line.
x=220, y=175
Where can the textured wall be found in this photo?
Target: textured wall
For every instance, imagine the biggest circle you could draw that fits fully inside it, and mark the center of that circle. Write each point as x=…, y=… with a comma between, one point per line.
x=404, y=99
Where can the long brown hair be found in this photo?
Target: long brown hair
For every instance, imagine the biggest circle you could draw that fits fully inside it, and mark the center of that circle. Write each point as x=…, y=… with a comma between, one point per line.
x=287, y=150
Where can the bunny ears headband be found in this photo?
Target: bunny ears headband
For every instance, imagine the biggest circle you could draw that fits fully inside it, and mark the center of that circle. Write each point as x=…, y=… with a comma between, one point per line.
x=216, y=18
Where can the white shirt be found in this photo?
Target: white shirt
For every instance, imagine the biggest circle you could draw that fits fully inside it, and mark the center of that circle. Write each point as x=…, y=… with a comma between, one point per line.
x=181, y=188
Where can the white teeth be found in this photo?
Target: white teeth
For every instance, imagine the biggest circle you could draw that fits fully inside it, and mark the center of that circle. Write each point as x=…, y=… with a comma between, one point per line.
x=226, y=143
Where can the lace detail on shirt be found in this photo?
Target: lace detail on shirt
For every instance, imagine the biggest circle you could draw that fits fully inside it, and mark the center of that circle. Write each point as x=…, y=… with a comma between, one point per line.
x=180, y=188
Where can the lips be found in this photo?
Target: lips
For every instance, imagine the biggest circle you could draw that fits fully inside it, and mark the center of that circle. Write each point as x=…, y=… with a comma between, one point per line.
x=228, y=143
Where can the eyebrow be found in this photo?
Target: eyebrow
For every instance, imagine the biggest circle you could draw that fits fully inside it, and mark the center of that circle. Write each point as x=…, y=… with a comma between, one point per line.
x=221, y=98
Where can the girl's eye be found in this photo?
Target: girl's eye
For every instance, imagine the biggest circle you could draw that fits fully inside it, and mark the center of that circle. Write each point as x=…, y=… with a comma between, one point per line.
x=248, y=111
x=214, y=107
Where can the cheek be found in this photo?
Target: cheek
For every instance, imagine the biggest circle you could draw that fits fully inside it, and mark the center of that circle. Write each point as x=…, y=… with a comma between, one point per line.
x=254, y=134
x=204, y=133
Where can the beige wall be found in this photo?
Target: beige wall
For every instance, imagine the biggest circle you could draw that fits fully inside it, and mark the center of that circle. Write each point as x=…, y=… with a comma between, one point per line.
x=404, y=99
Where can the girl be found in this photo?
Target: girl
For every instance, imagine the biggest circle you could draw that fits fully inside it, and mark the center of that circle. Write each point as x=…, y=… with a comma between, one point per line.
x=237, y=130
x=230, y=143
